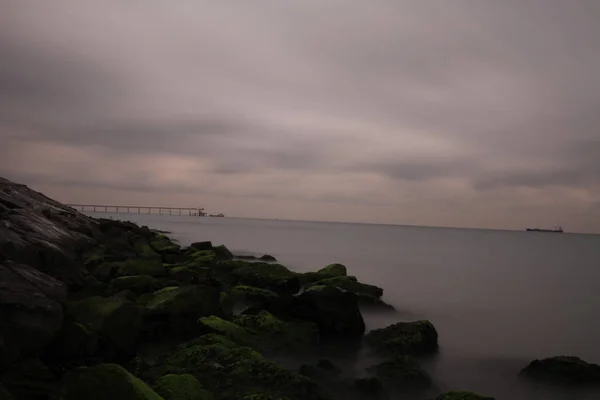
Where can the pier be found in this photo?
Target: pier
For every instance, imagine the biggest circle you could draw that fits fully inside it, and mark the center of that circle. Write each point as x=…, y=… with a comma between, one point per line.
x=191, y=211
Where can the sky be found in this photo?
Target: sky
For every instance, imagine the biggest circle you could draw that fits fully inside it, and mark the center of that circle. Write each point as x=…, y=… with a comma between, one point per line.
x=466, y=113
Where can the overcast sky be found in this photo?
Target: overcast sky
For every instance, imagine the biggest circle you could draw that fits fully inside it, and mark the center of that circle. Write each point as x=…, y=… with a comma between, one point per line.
x=466, y=113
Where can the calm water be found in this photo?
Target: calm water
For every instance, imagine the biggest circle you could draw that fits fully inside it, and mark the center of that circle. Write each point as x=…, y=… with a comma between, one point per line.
x=498, y=299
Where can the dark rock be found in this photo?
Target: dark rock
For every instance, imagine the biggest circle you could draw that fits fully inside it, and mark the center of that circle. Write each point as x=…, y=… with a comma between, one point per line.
x=335, y=311
x=350, y=284
x=201, y=246
x=402, y=372
x=563, y=370
x=75, y=341
x=223, y=253
x=369, y=302
x=370, y=386
x=234, y=372
x=268, y=258
x=106, y=381
x=31, y=379
x=181, y=387
x=175, y=310
x=115, y=319
x=4, y=394
x=31, y=312
x=323, y=370
x=416, y=338
x=333, y=270
x=458, y=395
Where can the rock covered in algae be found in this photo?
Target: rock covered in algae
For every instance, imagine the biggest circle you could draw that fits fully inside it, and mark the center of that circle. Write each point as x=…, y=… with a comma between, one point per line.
x=106, y=381
x=563, y=370
x=417, y=338
x=181, y=387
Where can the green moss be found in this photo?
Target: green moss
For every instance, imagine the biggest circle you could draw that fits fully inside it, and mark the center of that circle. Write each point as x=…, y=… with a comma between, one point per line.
x=274, y=277
x=229, y=329
x=143, y=250
x=458, y=395
x=402, y=372
x=113, y=317
x=162, y=245
x=142, y=267
x=333, y=270
x=233, y=372
x=254, y=293
x=274, y=334
x=106, y=381
x=350, y=284
x=202, y=255
x=181, y=387
x=418, y=337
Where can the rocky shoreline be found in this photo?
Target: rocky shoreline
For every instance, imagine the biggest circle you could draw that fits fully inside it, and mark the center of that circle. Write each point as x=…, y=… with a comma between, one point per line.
x=102, y=309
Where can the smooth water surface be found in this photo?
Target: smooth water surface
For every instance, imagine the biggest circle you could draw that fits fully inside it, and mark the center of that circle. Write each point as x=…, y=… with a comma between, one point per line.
x=498, y=299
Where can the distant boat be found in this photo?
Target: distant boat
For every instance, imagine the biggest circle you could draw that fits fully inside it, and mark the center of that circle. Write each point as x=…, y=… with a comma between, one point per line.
x=557, y=229
x=217, y=215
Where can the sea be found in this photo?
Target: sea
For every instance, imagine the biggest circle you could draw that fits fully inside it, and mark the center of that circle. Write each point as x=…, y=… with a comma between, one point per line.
x=498, y=299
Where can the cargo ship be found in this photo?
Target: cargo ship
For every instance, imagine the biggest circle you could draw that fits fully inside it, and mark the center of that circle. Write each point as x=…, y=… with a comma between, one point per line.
x=557, y=229
x=216, y=215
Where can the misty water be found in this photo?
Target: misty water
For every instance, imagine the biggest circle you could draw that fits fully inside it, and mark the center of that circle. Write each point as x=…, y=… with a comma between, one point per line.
x=498, y=299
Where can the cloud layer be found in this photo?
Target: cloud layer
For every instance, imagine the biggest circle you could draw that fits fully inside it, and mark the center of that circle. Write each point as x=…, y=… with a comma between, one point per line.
x=464, y=113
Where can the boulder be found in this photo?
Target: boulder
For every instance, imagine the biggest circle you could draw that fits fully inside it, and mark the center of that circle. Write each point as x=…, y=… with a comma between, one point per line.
x=232, y=372
x=563, y=370
x=274, y=277
x=183, y=274
x=143, y=249
x=324, y=369
x=163, y=245
x=142, y=267
x=333, y=270
x=244, y=297
x=113, y=318
x=106, y=381
x=415, y=338
x=181, y=387
x=350, y=284
x=369, y=302
x=459, y=395
x=138, y=284
x=402, y=372
x=176, y=309
x=75, y=341
x=223, y=253
x=4, y=394
x=30, y=379
x=334, y=310
x=201, y=246
x=31, y=311
x=371, y=387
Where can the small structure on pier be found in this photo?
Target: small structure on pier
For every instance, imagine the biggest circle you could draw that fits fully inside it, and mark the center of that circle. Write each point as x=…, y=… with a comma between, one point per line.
x=191, y=211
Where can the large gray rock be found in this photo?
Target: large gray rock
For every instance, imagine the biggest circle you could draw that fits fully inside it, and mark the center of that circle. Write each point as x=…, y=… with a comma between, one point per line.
x=31, y=311
x=43, y=233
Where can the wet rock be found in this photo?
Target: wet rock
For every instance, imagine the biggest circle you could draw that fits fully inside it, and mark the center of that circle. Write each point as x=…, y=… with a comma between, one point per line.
x=350, y=284
x=223, y=253
x=335, y=311
x=369, y=302
x=333, y=270
x=201, y=246
x=231, y=371
x=402, y=372
x=266, y=258
x=31, y=379
x=75, y=341
x=459, y=395
x=563, y=370
x=106, y=381
x=416, y=338
x=141, y=267
x=181, y=387
x=31, y=311
x=274, y=277
x=115, y=319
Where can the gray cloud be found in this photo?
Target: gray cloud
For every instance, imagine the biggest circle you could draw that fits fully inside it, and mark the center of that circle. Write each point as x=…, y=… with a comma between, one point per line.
x=456, y=100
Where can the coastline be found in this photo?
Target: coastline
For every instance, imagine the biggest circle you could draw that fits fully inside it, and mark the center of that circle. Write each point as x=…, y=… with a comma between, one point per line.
x=105, y=289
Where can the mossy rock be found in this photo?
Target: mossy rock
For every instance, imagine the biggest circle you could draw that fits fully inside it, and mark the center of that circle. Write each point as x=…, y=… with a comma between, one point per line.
x=163, y=245
x=324, y=369
x=274, y=277
x=207, y=245
x=410, y=338
x=243, y=297
x=114, y=318
x=563, y=370
x=176, y=309
x=333, y=270
x=223, y=253
x=231, y=371
x=144, y=250
x=350, y=284
x=106, y=381
x=231, y=330
x=333, y=310
x=276, y=335
x=75, y=341
x=4, y=394
x=183, y=274
x=369, y=302
x=181, y=387
x=153, y=268
x=137, y=283
x=106, y=271
x=459, y=395
x=402, y=372
x=30, y=379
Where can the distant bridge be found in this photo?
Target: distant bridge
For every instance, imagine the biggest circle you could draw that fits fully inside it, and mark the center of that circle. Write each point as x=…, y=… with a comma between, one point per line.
x=192, y=211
